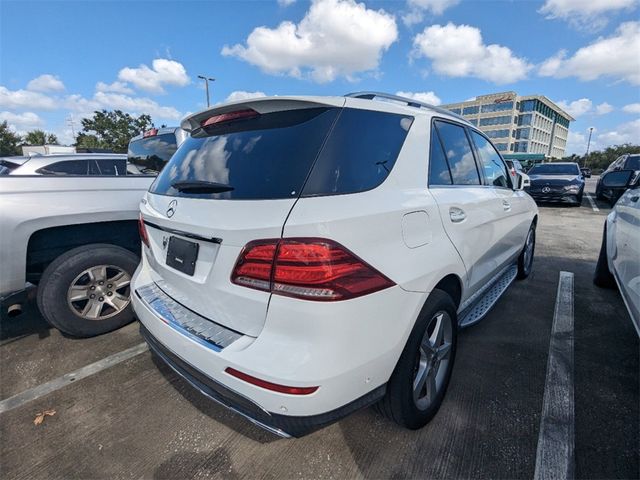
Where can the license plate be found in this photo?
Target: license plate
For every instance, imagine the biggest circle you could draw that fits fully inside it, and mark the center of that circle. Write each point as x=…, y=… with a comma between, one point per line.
x=182, y=255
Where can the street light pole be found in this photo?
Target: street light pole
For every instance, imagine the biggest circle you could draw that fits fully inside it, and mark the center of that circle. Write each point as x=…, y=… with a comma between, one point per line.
x=206, y=85
x=588, y=145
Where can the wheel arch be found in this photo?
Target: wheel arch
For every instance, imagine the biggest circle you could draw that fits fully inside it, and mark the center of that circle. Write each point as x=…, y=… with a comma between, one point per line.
x=451, y=284
x=47, y=244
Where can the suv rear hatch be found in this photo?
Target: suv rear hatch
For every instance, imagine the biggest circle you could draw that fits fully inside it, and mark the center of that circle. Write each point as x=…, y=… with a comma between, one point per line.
x=236, y=179
x=231, y=182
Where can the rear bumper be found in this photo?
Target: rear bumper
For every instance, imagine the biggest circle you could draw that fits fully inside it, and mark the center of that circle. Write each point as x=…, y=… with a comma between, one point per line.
x=281, y=425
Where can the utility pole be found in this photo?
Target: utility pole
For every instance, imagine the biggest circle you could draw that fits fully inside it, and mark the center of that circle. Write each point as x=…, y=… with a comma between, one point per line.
x=588, y=145
x=71, y=123
x=206, y=85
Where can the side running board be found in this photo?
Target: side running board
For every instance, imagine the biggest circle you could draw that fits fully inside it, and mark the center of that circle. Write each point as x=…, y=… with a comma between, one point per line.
x=481, y=306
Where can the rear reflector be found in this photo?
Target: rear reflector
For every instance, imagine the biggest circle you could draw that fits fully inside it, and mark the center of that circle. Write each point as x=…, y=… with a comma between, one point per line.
x=150, y=133
x=228, y=117
x=307, y=268
x=270, y=386
x=142, y=230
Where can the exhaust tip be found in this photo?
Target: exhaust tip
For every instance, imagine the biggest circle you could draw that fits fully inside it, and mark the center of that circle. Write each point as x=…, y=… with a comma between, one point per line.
x=14, y=310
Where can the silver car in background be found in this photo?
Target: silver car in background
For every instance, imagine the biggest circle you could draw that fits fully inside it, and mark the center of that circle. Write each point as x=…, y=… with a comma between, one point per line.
x=83, y=164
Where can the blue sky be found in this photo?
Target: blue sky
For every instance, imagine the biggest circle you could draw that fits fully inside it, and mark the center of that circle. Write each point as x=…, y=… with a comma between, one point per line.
x=61, y=60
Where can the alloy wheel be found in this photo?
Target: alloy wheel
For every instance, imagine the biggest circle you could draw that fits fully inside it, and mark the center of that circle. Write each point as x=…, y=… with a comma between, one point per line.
x=99, y=292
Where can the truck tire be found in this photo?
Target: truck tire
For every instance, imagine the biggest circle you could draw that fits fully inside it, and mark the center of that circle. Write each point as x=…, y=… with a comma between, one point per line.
x=409, y=402
x=85, y=291
x=602, y=277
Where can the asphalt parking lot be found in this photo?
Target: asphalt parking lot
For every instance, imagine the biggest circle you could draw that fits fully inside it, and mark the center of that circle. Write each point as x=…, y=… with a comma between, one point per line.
x=138, y=419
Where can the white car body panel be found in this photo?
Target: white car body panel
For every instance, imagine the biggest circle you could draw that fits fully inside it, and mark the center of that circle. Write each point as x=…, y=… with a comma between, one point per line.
x=623, y=250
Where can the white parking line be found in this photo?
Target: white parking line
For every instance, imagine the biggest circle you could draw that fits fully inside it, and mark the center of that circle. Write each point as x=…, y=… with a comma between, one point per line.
x=593, y=204
x=555, y=454
x=56, y=384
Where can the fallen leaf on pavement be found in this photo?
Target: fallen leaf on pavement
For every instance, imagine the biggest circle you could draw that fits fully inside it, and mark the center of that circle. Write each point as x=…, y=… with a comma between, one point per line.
x=40, y=416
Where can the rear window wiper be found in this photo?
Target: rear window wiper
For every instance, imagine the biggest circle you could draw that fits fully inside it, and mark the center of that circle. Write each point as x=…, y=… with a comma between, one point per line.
x=201, y=186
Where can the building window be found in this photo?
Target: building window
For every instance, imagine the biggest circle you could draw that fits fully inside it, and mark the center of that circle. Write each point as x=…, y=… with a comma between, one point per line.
x=495, y=121
x=520, y=147
x=455, y=110
x=497, y=107
x=523, y=133
x=474, y=121
x=525, y=119
x=497, y=133
x=470, y=110
x=501, y=147
x=527, y=106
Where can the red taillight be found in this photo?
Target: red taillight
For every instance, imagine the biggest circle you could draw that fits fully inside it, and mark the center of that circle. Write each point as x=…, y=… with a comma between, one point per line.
x=142, y=230
x=150, y=133
x=308, y=268
x=227, y=117
x=270, y=386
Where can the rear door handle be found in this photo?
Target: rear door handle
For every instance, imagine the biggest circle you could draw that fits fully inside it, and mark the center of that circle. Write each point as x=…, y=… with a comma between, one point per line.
x=506, y=205
x=457, y=215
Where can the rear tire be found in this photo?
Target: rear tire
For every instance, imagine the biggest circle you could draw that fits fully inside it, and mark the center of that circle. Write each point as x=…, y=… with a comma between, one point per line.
x=525, y=260
x=67, y=284
x=602, y=277
x=424, y=366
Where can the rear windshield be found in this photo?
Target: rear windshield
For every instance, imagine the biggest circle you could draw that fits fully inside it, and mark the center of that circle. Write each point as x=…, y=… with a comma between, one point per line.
x=147, y=156
x=313, y=151
x=633, y=162
x=551, y=169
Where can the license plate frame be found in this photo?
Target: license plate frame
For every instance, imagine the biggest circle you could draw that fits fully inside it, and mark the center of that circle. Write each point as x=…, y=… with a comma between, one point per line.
x=182, y=255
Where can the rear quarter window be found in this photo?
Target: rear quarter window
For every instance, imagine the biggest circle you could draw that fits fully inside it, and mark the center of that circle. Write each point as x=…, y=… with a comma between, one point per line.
x=360, y=152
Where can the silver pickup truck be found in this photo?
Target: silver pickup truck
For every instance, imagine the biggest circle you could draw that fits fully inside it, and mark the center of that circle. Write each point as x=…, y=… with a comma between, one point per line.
x=75, y=236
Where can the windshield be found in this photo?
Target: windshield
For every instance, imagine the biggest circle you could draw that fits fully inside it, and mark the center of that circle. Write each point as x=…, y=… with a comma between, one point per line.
x=633, y=163
x=555, y=169
x=147, y=156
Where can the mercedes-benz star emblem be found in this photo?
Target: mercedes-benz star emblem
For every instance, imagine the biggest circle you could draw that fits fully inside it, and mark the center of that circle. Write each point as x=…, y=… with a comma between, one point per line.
x=172, y=208
x=544, y=190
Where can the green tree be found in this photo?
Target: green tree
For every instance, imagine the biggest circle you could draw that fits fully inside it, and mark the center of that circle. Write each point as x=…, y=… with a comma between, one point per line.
x=40, y=137
x=601, y=159
x=111, y=130
x=9, y=140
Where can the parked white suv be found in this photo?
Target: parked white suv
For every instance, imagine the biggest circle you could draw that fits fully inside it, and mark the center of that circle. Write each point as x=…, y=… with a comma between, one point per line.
x=307, y=256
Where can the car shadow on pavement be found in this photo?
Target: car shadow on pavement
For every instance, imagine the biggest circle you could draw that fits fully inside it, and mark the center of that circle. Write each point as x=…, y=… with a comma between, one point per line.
x=29, y=322
x=211, y=409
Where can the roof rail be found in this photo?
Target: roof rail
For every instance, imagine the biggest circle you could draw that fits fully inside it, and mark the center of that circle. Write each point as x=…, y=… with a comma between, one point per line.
x=410, y=102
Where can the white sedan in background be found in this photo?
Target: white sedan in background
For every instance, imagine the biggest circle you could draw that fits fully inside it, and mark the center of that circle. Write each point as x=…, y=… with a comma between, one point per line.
x=619, y=260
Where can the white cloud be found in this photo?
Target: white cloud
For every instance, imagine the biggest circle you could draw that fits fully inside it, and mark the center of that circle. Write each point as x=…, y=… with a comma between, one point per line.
x=115, y=87
x=426, y=97
x=631, y=108
x=242, y=95
x=335, y=38
x=459, y=51
x=162, y=72
x=626, y=133
x=615, y=56
x=584, y=106
x=25, y=100
x=584, y=13
x=286, y=3
x=418, y=8
x=577, y=143
x=135, y=105
x=46, y=83
x=22, y=122
x=603, y=109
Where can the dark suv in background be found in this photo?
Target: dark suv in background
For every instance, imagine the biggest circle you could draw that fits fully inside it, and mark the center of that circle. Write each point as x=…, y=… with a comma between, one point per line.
x=627, y=161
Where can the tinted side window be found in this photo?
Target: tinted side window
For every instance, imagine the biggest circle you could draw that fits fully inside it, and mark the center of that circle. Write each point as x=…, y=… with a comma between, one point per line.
x=459, y=154
x=70, y=167
x=633, y=162
x=439, y=173
x=495, y=172
x=111, y=167
x=359, y=153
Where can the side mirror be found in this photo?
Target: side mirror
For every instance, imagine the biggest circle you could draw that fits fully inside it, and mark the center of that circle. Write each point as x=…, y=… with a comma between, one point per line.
x=617, y=179
x=523, y=181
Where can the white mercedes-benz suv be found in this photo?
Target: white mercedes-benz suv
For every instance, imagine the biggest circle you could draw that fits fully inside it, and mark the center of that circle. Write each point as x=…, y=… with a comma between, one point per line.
x=305, y=257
